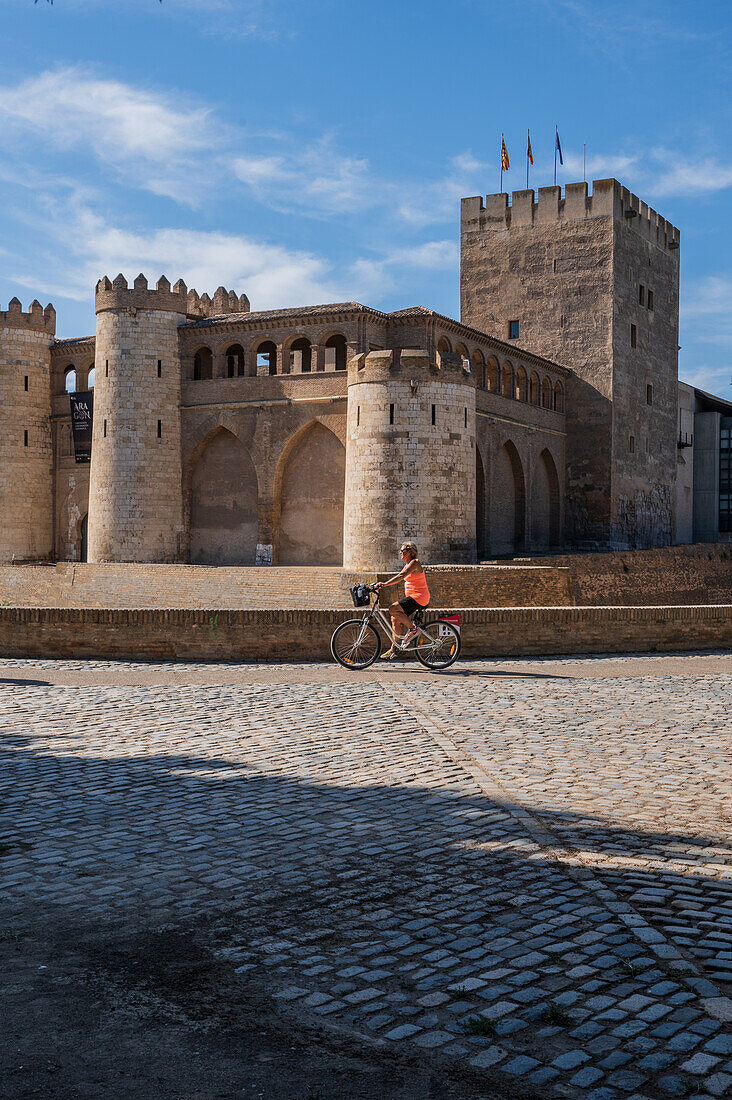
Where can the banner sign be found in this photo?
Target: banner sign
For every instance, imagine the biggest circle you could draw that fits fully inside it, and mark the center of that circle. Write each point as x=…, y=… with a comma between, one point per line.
x=82, y=412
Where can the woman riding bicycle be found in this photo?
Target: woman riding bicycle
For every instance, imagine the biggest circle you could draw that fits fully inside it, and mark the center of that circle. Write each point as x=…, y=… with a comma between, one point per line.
x=416, y=596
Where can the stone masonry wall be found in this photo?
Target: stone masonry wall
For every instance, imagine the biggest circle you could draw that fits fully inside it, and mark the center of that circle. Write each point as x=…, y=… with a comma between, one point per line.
x=407, y=477
x=569, y=271
x=135, y=490
x=26, y=469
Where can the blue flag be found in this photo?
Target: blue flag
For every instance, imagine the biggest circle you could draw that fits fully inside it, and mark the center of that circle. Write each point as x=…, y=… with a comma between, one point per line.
x=559, y=148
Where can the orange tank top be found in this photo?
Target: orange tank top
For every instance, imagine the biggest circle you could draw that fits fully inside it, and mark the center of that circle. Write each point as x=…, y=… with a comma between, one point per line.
x=415, y=585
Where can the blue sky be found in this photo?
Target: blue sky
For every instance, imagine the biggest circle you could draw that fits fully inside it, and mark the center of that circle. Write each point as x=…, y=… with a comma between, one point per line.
x=312, y=152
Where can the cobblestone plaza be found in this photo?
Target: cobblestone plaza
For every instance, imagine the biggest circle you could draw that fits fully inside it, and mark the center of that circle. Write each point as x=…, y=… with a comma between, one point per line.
x=523, y=867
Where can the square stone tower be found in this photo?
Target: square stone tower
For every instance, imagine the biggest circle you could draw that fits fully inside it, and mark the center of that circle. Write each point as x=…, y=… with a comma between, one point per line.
x=591, y=282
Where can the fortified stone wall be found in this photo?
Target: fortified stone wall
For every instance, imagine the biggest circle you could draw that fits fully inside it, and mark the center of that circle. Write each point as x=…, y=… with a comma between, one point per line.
x=26, y=469
x=135, y=478
x=410, y=459
x=570, y=272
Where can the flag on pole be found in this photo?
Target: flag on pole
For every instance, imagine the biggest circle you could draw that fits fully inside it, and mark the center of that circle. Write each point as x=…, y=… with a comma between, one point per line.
x=505, y=163
x=529, y=153
x=559, y=148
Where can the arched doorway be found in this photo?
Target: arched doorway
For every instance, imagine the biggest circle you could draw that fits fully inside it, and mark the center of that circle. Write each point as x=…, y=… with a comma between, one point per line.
x=311, y=500
x=507, y=502
x=83, y=537
x=223, y=513
x=545, y=504
x=480, y=507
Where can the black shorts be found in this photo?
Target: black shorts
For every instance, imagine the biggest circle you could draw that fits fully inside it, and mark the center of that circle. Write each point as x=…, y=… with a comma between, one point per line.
x=409, y=605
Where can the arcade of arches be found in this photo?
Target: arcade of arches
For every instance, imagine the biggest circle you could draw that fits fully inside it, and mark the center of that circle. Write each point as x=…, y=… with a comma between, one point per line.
x=224, y=501
x=503, y=523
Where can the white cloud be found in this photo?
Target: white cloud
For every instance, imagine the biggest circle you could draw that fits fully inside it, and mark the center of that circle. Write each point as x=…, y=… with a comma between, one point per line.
x=144, y=135
x=316, y=177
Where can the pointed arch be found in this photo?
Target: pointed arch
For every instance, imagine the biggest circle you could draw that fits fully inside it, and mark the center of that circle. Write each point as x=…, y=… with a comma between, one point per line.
x=309, y=490
x=508, y=502
x=222, y=502
x=481, y=507
x=545, y=515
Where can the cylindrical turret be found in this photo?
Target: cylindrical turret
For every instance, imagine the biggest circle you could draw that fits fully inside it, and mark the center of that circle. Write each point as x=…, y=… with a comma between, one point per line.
x=410, y=459
x=26, y=455
x=135, y=482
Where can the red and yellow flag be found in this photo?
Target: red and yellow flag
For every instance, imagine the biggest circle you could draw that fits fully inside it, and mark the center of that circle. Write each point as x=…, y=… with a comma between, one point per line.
x=505, y=163
x=529, y=154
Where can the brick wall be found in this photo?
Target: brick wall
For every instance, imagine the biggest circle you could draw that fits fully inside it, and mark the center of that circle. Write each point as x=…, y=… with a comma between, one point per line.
x=305, y=635
x=694, y=574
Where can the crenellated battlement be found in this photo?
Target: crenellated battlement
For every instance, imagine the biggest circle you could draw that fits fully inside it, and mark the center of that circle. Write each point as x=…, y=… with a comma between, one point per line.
x=398, y=364
x=118, y=294
x=37, y=319
x=608, y=199
x=223, y=303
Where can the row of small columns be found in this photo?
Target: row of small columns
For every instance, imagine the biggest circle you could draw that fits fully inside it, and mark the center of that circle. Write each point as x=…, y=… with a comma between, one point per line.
x=286, y=358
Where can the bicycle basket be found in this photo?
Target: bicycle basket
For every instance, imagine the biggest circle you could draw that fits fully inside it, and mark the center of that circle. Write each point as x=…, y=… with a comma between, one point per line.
x=360, y=595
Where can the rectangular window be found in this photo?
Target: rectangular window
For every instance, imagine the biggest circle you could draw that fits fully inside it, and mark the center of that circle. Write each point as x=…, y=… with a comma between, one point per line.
x=26, y=383
x=433, y=414
x=649, y=395
x=105, y=429
x=160, y=429
x=633, y=336
x=160, y=368
x=650, y=299
x=513, y=330
x=391, y=414
x=642, y=295
x=25, y=438
x=725, y=475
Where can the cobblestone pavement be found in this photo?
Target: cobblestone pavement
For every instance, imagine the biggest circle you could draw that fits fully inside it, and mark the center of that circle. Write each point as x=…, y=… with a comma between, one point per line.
x=530, y=874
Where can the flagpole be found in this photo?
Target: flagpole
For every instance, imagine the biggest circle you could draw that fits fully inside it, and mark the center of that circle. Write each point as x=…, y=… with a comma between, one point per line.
x=556, y=131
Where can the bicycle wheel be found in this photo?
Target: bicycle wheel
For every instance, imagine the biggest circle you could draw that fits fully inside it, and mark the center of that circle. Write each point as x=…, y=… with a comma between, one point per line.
x=441, y=647
x=354, y=645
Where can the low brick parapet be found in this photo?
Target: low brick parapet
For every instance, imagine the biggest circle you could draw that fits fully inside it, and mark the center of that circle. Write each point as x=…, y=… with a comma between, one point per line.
x=250, y=635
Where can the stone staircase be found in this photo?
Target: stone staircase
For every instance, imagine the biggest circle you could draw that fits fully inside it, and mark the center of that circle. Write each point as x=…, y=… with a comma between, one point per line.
x=242, y=587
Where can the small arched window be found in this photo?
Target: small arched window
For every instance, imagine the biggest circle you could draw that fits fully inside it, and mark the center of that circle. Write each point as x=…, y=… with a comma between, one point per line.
x=335, y=352
x=203, y=364
x=90, y=379
x=235, y=361
x=267, y=358
x=70, y=380
x=300, y=356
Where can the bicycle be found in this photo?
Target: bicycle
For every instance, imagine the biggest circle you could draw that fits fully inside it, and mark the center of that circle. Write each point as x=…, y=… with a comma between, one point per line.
x=356, y=644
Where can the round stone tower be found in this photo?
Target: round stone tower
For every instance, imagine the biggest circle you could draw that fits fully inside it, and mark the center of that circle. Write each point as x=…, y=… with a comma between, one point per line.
x=135, y=483
x=26, y=455
x=410, y=459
